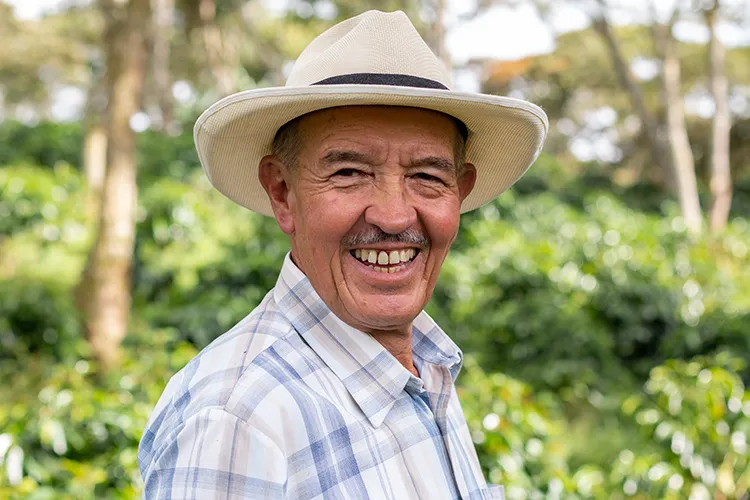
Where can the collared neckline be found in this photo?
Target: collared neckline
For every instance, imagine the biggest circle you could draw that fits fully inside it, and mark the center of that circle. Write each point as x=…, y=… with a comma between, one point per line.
x=373, y=376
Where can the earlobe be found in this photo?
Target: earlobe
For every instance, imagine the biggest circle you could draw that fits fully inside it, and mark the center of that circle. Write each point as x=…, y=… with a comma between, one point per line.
x=466, y=180
x=271, y=174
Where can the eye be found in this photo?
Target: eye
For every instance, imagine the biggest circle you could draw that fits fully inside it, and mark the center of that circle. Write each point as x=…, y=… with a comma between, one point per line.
x=347, y=172
x=427, y=177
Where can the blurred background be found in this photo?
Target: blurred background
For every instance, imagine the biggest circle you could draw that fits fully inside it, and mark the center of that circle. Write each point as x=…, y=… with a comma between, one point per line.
x=603, y=303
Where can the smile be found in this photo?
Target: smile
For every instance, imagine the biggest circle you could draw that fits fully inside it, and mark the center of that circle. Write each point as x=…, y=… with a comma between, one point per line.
x=391, y=261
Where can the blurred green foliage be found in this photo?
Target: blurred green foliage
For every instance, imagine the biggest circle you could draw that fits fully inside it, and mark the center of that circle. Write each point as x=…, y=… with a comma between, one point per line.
x=696, y=415
x=41, y=144
x=73, y=432
x=596, y=290
x=606, y=354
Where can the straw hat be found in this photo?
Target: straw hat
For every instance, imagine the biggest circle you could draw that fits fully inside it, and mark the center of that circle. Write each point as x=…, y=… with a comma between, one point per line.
x=375, y=58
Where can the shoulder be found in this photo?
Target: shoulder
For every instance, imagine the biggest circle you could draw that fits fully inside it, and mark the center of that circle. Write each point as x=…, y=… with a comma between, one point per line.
x=228, y=411
x=209, y=381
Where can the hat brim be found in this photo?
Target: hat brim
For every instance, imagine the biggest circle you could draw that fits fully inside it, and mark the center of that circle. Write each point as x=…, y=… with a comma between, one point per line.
x=505, y=135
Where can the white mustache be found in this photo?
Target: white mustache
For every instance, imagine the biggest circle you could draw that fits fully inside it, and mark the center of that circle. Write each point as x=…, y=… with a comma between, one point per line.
x=376, y=236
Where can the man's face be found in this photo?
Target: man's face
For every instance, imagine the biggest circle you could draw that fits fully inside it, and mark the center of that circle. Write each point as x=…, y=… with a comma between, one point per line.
x=371, y=207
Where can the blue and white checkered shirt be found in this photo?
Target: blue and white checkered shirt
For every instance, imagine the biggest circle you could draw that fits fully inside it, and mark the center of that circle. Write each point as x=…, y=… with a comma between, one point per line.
x=294, y=403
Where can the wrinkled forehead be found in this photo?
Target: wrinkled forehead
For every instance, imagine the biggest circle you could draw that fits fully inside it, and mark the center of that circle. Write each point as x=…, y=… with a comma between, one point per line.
x=354, y=118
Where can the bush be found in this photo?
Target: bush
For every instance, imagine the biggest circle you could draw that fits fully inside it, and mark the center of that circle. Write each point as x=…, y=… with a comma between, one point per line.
x=202, y=262
x=69, y=432
x=45, y=143
x=48, y=201
x=692, y=417
x=48, y=143
x=36, y=318
x=42, y=252
x=579, y=299
x=696, y=413
x=518, y=434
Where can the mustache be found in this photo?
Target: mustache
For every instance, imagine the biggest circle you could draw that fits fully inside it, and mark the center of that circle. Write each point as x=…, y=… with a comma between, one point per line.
x=376, y=235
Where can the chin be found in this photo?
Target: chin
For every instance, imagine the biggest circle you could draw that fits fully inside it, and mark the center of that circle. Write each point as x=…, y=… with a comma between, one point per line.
x=390, y=318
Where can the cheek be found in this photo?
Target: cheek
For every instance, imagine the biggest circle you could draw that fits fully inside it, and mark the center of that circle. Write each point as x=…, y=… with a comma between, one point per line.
x=442, y=225
x=328, y=218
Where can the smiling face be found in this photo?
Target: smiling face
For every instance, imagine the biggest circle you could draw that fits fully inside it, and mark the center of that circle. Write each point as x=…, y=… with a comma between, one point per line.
x=372, y=208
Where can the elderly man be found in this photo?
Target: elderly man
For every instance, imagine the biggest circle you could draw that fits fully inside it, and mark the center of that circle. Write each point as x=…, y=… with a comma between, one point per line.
x=338, y=385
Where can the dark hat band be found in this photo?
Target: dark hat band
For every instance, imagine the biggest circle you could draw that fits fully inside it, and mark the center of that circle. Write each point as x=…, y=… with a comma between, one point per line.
x=382, y=79
x=392, y=79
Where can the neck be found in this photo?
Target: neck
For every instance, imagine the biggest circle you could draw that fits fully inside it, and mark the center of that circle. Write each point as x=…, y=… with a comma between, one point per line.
x=398, y=343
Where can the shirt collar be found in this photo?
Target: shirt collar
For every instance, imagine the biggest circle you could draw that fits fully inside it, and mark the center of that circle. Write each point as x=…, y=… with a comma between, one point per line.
x=373, y=377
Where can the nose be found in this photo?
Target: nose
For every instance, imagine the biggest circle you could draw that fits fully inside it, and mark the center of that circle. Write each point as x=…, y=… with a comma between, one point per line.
x=391, y=209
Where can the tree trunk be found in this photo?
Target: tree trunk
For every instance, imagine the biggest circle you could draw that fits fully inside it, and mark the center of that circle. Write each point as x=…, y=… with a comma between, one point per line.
x=94, y=153
x=721, y=178
x=163, y=17
x=682, y=154
x=215, y=48
x=94, y=165
x=104, y=292
x=656, y=140
x=438, y=33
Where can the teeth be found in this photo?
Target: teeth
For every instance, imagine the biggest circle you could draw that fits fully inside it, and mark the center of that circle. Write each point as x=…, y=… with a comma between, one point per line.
x=394, y=257
x=382, y=258
x=388, y=270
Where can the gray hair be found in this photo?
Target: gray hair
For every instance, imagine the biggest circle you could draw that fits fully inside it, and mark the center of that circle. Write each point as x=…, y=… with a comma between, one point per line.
x=374, y=235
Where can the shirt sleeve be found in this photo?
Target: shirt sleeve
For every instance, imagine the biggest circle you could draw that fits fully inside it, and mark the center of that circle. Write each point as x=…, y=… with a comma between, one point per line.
x=216, y=455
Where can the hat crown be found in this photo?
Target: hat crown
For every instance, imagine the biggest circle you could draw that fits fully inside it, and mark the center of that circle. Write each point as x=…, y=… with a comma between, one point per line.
x=372, y=42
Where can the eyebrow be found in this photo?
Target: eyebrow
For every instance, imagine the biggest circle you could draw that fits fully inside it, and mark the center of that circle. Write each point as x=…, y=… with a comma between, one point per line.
x=349, y=156
x=436, y=162
x=346, y=156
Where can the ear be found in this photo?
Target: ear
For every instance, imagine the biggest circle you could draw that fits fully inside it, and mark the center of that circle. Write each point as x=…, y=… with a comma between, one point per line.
x=274, y=177
x=466, y=181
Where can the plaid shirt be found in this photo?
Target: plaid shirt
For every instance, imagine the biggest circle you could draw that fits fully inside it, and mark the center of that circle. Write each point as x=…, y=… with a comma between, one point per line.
x=294, y=403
